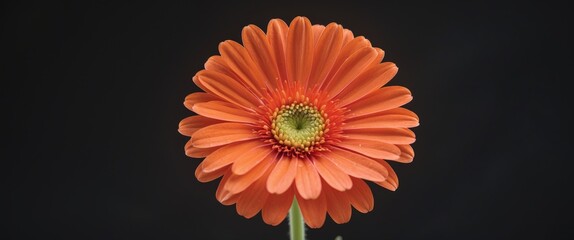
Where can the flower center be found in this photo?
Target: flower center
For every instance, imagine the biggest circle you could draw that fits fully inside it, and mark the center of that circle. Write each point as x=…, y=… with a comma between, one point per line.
x=298, y=125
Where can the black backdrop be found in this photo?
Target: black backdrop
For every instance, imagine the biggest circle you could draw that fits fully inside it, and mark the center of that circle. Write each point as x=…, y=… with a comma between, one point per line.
x=92, y=94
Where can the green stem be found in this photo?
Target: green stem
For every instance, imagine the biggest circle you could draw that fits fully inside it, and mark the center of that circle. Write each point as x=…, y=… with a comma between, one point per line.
x=296, y=223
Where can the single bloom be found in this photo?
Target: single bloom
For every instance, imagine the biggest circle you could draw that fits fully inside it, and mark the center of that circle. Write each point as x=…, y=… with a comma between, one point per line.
x=301, y=112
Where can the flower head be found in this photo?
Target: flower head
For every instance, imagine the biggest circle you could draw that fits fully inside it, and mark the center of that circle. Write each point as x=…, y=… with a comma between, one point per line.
x=298, y=112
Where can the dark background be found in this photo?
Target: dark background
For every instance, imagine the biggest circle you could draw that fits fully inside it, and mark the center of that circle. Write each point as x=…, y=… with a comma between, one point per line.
x=92, y=94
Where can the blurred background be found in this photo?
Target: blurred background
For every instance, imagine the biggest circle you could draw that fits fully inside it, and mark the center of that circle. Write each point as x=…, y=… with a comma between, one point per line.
x=92, y=94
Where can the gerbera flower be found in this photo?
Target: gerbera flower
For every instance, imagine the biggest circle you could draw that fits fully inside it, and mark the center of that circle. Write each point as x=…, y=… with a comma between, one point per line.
x=298, y=112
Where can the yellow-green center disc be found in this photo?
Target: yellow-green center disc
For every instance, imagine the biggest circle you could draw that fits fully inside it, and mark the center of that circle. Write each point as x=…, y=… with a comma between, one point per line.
x=298, y=125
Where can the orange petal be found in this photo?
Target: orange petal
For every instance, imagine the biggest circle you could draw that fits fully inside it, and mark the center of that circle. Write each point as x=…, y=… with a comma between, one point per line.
x=346, y=51
x=380, y=100
x=209, y=176
x=313, y=210
x=238, y=183
x=338, y=205
x=226, y=155
x=299, y=51
x=369, y=81
x=317, y=31
x=222, y=134
x=258, y=47
x=253, y=199
x=282, y=175
x=350, y=69
x=198, y=83
x=378, y=59
x=371, y=148
x=392, y=182
x=277, y=207
x=307, y=180
x=238, y=60
x=224, y=196
x=223, y=111
x=332, y=174
x=400, y=111
x=198, y=97
x=189, y=125
x=227, y=88
x=347, y=36
x=352, y=46
x=277, y=31
x=407, y=153
x=393, y=118
x=357, y=165
x=361, y=196
x=194, y=152
x=388, y=135
x=395, y=111
x=326, y=51
x=217, y=63
x=253, y=157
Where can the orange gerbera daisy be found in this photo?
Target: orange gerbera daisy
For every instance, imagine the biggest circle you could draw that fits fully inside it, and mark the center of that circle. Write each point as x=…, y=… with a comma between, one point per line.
x=298, y=112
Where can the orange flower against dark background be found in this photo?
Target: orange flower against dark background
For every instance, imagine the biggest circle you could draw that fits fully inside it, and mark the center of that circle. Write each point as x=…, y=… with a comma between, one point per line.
x=299, y=111
x=92, y=91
